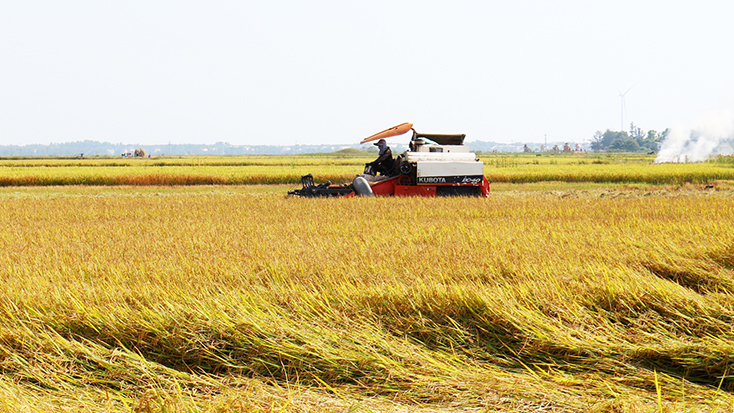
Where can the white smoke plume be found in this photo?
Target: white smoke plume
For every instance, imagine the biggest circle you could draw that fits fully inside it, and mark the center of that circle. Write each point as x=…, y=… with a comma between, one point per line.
x=713, y=135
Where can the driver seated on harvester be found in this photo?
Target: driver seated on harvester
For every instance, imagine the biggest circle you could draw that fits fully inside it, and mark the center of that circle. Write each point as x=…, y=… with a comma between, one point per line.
x=384, y=164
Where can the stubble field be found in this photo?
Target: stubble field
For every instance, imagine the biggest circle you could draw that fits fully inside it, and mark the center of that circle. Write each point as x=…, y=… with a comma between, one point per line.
x=548, y=296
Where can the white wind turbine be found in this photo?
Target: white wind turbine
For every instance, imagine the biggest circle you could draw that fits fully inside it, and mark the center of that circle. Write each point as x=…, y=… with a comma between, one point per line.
x=623, y=110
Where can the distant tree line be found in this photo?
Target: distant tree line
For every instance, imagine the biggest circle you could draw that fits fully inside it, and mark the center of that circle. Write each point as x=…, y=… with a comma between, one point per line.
x=89, y=148
x=636, y=140
x=93, y=148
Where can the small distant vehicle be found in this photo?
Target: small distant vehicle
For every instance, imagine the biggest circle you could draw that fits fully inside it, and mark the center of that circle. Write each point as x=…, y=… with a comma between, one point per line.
x=434, y=165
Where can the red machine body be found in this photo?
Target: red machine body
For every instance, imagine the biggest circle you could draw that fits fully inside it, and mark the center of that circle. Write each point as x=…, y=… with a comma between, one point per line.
x=402, y=186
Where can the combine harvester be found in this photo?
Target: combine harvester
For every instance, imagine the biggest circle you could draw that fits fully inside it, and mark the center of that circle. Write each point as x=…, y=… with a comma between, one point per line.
x=442, y=167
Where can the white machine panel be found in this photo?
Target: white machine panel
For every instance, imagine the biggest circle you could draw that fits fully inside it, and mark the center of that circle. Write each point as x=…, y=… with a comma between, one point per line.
x=441, y=156
x=442, y=148
x=436, y=172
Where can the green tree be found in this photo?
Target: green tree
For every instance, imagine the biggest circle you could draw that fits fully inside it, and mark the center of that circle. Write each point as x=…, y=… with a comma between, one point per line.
x=626, y=144
x=602, y=141
x=634, y=141
x=652, y=140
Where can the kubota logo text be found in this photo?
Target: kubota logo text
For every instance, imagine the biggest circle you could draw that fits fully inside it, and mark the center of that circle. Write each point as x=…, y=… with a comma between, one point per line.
x=432, y=180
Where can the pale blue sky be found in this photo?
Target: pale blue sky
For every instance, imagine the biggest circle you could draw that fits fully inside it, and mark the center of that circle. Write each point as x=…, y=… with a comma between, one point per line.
x=308, y=72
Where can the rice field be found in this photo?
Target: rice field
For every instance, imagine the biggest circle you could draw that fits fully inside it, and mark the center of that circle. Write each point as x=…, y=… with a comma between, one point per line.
x=548, y=296
x=268, y=170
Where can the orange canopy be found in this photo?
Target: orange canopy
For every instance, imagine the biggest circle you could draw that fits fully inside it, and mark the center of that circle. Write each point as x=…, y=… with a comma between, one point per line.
x=387, y=133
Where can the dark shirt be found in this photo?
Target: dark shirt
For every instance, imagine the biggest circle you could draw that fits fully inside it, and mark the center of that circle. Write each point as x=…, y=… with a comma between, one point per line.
x=384, y=163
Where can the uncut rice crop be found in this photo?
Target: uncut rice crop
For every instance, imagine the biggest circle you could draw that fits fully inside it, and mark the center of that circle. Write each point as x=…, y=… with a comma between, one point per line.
x=218, y=300
x=654, y=174
x=169, y=175
x=253, y=170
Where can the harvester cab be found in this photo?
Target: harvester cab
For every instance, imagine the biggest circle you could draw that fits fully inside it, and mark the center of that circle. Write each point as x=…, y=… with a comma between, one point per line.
x=433, y=165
